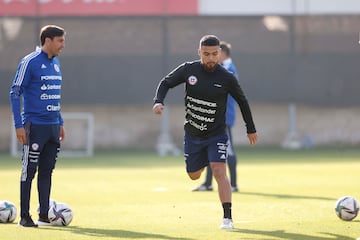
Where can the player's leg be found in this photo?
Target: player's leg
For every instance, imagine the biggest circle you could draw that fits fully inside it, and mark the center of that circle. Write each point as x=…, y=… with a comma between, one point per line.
x=231, y=161
x=47, y=161
x=195, y=175
x=224, y=189
x=217, y=154
x=31, y=152
x=27, y=175
x=207, y=185
x=209, y=176
x=195, y=156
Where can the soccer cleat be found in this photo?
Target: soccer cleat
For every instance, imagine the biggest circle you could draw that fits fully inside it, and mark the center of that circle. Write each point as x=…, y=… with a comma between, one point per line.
x=234, y=189
x=26, y=221
x=203, y=188
x=43, y=220
x=227, y=223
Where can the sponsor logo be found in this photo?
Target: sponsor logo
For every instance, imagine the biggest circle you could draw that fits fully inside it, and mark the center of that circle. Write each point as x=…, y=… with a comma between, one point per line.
x=192, y=80
x=43, y=66
x=217, y=85
x=49, y=97
x=201, y=127
x=52, y=77
x=200, y=109
x=198, y=117
x=53, y=108
x=50, y=87
x=202, y=102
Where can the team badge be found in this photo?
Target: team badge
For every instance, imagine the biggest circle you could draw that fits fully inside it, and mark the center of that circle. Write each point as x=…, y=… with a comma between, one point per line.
x=56, y=67
x=35, y=146
x=192, y=80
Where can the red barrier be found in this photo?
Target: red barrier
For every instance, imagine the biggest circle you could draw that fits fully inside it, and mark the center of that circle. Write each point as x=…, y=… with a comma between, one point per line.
x=97, y=7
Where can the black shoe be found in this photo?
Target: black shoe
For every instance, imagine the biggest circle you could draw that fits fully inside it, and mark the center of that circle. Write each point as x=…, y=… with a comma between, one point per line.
x=43, y=220
x=203, y=188
x=26, y=221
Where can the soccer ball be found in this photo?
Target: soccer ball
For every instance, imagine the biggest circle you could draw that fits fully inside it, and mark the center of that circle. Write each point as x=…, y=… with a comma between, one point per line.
x=8, y=212
x=60, y=214
x=347, y=208
x=52, y=202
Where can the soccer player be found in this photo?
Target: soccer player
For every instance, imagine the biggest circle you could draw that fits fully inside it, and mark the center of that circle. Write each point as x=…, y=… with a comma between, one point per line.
x=37, y=86
x=207, y=85
x=227, y=63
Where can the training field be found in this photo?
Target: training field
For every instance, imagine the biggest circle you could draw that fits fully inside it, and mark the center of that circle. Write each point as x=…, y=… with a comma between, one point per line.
x=283, y=194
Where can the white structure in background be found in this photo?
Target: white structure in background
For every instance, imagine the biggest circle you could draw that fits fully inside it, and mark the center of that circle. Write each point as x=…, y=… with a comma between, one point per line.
x=165, y=144
x=278, y=7
x=79, y=136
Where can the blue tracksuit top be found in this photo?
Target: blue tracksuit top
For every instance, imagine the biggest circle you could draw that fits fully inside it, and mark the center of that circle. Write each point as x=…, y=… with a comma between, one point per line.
x=231, y=103
x=37, y=83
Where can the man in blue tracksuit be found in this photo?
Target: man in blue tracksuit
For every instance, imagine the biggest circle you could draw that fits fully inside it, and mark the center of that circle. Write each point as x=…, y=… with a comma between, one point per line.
x=37, y=86
x=227, y=63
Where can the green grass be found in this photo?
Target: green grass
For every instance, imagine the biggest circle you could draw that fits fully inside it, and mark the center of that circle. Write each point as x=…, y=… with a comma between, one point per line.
x=138, y=195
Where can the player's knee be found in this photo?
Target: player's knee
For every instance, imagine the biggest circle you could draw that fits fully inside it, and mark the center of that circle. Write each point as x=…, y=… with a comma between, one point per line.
x=219, y=170
x=194, y=175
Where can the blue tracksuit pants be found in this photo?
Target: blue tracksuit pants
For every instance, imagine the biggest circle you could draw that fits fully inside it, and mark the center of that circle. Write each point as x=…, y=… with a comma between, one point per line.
x=39, y=154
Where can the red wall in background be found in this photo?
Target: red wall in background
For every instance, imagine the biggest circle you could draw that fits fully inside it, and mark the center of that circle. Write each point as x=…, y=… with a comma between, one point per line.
x=97, y=7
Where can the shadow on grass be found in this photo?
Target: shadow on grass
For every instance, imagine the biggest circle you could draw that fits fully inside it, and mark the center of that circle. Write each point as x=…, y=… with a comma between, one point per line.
x=114, y=233
x=281, y=234
x=288, y=196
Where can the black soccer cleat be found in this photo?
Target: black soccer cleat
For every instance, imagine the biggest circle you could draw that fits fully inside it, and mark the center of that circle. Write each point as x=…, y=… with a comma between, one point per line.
x=26, y=221
x=43, y=220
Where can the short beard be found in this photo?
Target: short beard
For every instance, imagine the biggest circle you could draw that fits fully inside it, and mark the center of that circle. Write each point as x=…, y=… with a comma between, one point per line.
x=209, y=69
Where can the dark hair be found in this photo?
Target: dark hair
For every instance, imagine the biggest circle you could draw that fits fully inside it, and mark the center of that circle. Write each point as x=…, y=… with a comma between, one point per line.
x=50, y=31
x=209, y=40
x=225, y=47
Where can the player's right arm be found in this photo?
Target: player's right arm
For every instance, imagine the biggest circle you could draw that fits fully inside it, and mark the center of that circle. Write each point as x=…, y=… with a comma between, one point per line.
x=158, y=108
x=15, y=96
x=16, y=91
x=21, y=135
x=171, y=80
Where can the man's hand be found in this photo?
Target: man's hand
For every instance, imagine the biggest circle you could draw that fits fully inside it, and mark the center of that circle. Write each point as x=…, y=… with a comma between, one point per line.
x=158, y=108
x=62, y=133
x=253, y=137
x=21, y=135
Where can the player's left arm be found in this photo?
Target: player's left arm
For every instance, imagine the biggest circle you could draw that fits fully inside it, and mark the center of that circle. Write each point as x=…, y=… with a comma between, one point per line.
x=237, y=93
x=62, y=129
x=253, y=137
x=62, y=133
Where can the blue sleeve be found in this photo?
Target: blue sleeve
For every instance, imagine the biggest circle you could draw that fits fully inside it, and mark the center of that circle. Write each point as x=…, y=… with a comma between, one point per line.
x=16, y=90
x=233, y=70
x=231, y=103
x=15, y=95
x=61, y=120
